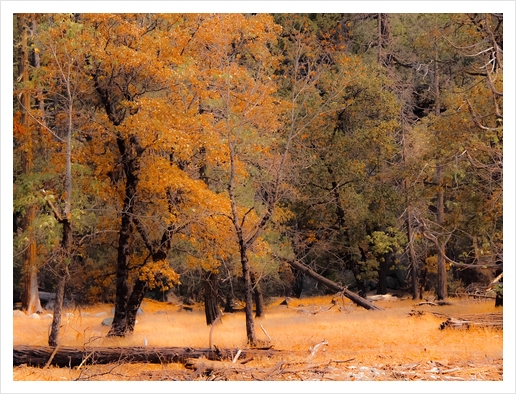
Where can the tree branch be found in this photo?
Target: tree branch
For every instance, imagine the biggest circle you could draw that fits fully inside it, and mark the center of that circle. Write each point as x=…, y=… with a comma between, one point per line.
x=52, y=207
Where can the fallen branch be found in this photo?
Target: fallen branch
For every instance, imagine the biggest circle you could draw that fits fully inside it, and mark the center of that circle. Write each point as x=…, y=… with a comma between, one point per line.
x=265, y=332
x=324, y=342
x=51, y=357
x=360, y=301
x=343, y=361
x=236, y=356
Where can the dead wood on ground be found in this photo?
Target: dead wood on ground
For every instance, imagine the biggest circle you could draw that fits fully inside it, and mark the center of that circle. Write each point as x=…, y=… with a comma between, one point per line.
x=222, y=369
x=360, y=301
x=72, y=357
x=492, y=320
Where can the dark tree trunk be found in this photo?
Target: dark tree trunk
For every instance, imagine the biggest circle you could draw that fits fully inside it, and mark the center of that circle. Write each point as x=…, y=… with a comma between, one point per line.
x=385, y=262
x=297, y=288
x=498, y=300
x=357, y=273
x=133, y=305
x=258, y=296
x=385, y=265
x=228, y=306
x=53, y=338
x=119, y=326
x=211, y=298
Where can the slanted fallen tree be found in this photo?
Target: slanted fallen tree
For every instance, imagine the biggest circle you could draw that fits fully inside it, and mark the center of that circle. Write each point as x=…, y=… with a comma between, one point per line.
x=360, y=301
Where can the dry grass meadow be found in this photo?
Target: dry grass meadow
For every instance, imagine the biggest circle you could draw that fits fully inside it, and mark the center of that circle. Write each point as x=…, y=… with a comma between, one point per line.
x=389, y=345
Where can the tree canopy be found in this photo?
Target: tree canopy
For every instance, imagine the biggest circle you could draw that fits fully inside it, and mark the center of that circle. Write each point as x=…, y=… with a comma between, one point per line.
x=201, y=153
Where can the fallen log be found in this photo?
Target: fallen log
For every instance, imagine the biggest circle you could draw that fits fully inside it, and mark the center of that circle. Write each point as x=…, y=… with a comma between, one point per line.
x=493, y=320
x=71, y=357
x=360, y=301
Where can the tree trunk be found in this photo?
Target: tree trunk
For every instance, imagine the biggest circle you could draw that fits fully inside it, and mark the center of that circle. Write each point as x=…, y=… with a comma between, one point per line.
x=413, y=264
x=258, y=296
x=360, y=301
x=119, y=326
x=248, y=289
x=133, y=305
x=122, y=272
x=380, y=41
x=30, y=298
x=385, y=263
x=62, y=268
x=412, y=255
x=228, y=305
x=383, y=33
x=66, y=219
x=211, y=298
x=441, y=261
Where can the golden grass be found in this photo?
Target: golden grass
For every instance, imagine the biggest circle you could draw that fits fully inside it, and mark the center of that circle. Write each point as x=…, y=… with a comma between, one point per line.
x=368, y=337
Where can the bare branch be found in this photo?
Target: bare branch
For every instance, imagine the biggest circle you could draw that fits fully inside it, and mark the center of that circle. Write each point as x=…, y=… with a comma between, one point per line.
x=477, y=122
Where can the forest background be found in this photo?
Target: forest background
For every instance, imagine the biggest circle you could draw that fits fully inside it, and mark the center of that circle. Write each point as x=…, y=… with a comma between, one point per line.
x=329, y=198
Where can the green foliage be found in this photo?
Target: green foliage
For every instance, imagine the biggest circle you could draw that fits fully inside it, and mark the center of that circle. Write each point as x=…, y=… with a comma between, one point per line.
x=390, y=241
x=498, y=288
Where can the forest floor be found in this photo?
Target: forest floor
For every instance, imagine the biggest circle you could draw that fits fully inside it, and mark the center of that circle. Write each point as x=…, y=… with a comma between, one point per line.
x=324, y=339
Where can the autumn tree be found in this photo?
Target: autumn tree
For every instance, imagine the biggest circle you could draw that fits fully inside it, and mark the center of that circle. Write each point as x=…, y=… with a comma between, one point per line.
x=223, y=146
x=157, y=143
x=347, y=124
x=58, y=85
x=442, y=64
x=472, y=143
x=239, y=74
x=24, y=133
x=132, y=68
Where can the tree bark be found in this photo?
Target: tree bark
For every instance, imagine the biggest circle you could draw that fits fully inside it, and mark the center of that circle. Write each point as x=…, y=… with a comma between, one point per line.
x=360, y=301
x=133, y=304
x=412, y=255
x=30, y=298
x=441, y=261
x=53, y=338
x=258, y=296
x=383, y=272
x=248, y=289
x=242, y=246
x=211, y=298
x=72, y=357
x=119, y=326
